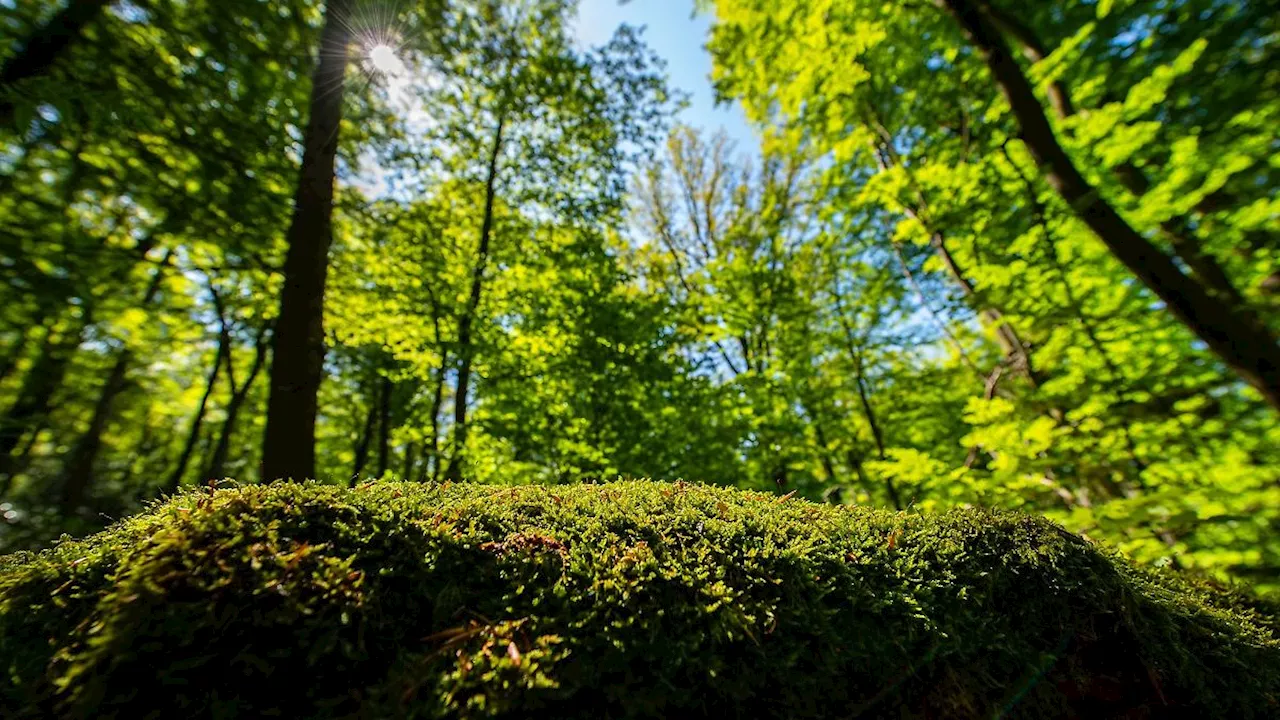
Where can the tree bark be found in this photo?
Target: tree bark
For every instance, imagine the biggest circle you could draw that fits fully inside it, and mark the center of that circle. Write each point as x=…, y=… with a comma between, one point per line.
x=466, y=351
x=197, y=420
x=1234, y=334
x=77, y=473
x=410, y=461
x=77, y=476
x=42, y=48
x=384, y=424
x=864, y=398
x=14, y=353
x=365, y=439
x=222, y=450
x=298, y=342
x=1034, y=51
x=437, y=402
x=824, y=450
x=36, y=394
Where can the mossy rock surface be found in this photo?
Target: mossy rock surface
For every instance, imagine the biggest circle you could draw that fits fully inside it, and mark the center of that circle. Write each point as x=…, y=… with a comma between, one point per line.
x=630, y=599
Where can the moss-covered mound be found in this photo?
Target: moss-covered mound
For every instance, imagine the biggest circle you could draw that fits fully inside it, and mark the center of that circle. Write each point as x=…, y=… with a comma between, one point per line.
x=621, y=600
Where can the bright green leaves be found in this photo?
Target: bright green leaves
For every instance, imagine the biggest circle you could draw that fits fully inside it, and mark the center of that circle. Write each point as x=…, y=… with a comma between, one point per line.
x=924, y=167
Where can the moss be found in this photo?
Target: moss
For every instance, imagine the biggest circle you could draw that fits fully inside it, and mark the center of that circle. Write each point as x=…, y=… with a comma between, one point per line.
x=631, y=599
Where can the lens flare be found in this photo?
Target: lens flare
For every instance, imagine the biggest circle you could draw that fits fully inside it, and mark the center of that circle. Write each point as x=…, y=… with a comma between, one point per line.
x=384, y=59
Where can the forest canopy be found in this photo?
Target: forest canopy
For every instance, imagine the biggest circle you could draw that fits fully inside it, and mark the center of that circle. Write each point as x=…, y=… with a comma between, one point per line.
x=985, y=253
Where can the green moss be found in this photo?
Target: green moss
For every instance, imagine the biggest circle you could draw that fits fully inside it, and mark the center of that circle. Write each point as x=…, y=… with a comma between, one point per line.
x=623, y=600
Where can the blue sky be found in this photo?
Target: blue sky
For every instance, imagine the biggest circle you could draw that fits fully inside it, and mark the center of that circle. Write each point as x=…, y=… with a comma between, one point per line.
x=679, y=37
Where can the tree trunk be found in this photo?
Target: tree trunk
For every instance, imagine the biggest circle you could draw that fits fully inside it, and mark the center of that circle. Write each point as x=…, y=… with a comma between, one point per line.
x=384, y=425
x=824, y=451
x=298, y=343
x=855, y=462
x=77, y=476
x=1234, y=334
x=36, y=394
x=42, y=47
x=1034, y=51
x=864, y=397
x=221, y=451
x=197, y=420
x=410, y=461
x=466, y=352
x=365, y=439
x=437, y=402
x=77, y=473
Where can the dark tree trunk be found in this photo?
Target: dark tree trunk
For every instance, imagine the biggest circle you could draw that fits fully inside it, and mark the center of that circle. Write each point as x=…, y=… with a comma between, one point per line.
x=222, y=449
x=466, y=351
x=1234, y=334
x=855, y=462
x=197, y=419
x=298, y=349
x=42, y=48
x=1034, y=51
x=77, y=473
x=36, y=394
x=824, y=451
x=384, y=424
x=366, y=439
x=864, y=397
x=437, y=402
x=77, y=476
x=410, y=461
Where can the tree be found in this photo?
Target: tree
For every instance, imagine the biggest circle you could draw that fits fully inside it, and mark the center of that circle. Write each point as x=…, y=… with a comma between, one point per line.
x=1127, y=412
x=1235, y=334
x=297, y=364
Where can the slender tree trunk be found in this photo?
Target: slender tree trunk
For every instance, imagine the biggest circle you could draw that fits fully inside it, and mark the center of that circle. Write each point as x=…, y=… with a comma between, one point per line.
x=410, y=461
x=23, y=457
x=298, y=342
x=365, y=439
x=42, y=47
x=1034, y=51
x=77, y=476
x=864, y=397
x=77, y=472
x=222, y=449
x=1015, y=349
x=466, y=351
x=824, y=450
x=50, y=367
x=197, y=419
x=437, y=402
x=384, y=425
x=1234, y=334
x=36, y=394
x=855, y=462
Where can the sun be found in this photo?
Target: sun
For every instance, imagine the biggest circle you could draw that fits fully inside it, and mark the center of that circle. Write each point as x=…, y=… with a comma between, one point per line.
x=384, y=59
